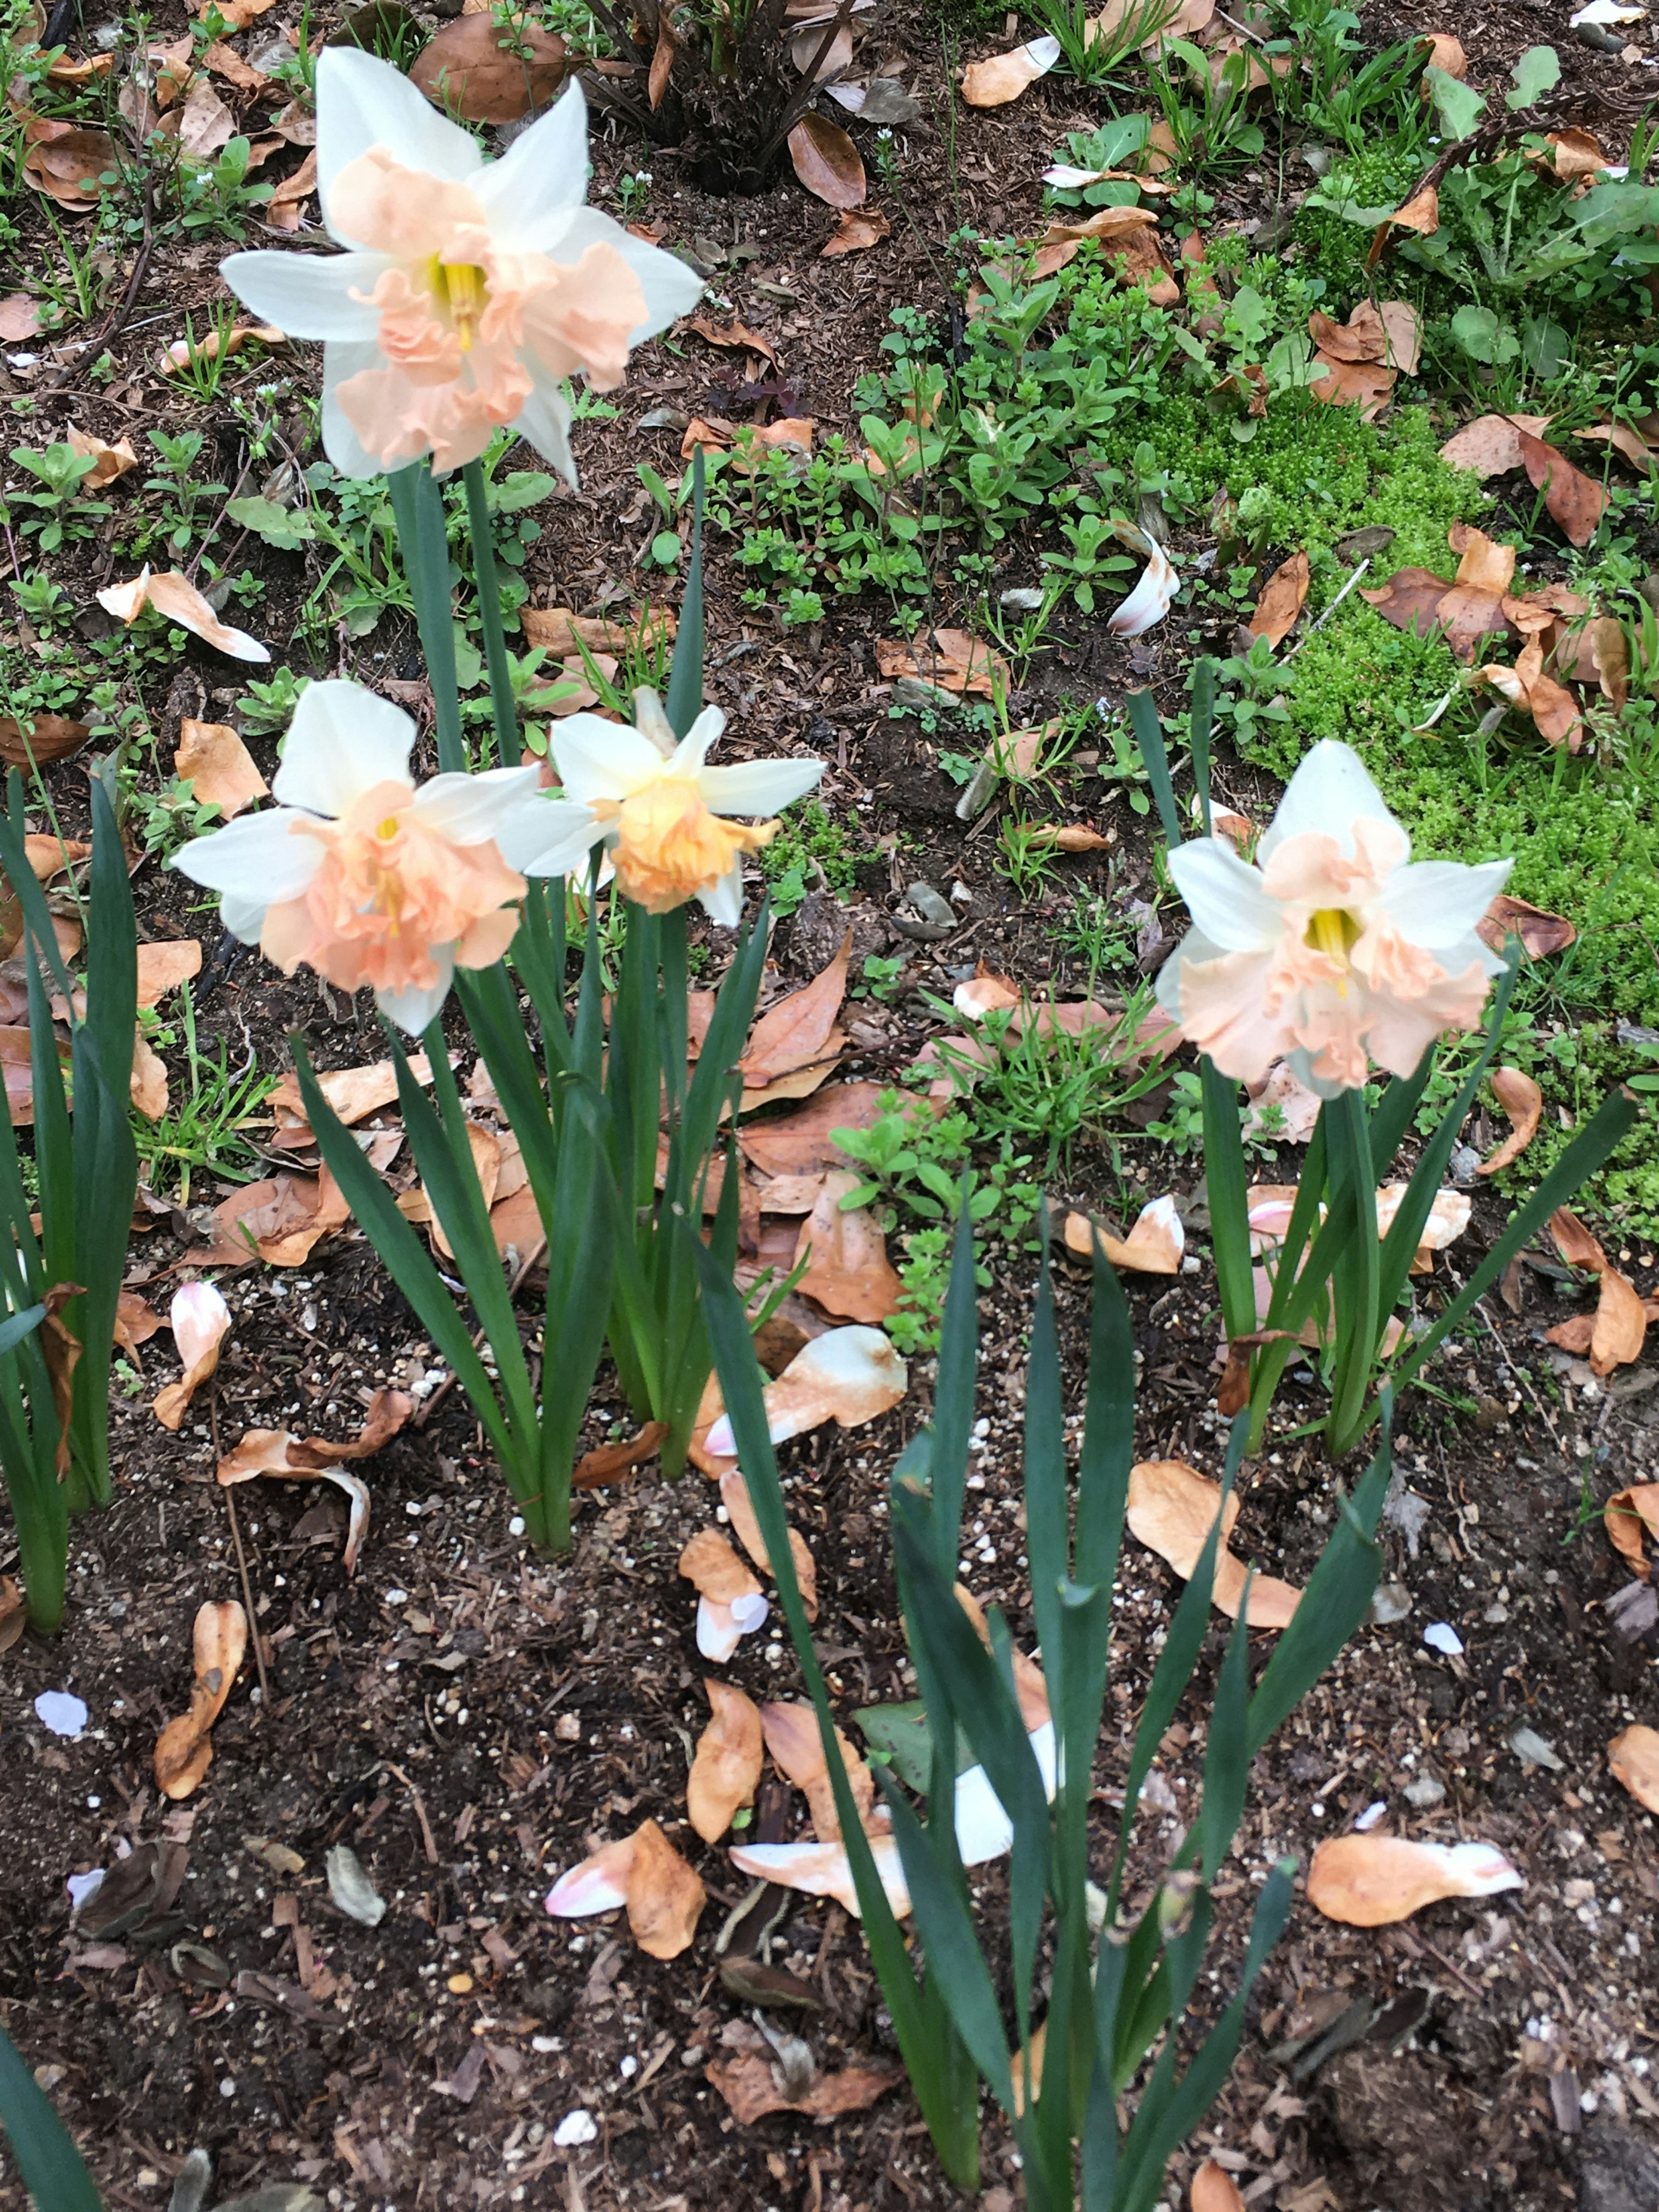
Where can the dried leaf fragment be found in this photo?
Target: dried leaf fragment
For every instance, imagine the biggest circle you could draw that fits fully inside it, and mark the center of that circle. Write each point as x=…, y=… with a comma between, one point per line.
x=748, y=2082
x=164, y=965
x=726, y=1769
x=1153, y=1246
x=1523, y=1102
x=319, y=1459
x=219, y=768
x=856, y=230
x=1633, y=1759
x=796, y=1030
x=791, y=1731
x=1540, y=933
x=1172, y=1510
x=735, y=1496
x=1282, y=599
x=664, y=1896
x=1215, y=2190
x=847, y=1375
x=486, y=71
x=1628, y=1513
x=848, y=1273
x=1576, y=501
x=1372, y=1881
x=1003, y=77
x=1490, y=444
x=177, y=599
x=184, y=1750
x=108, y=462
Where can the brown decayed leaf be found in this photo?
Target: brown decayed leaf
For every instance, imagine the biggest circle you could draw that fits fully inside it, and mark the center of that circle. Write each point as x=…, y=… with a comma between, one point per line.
x=198, y=1318
x=1490, y=444
x=311, y=1458
x=469, y=68
x=205, y=124
x=13, y=1612
x=1554, y=711
x=606, y=1461
x=801, y=1143
x=1361, y=339
x=61, y=1350
x=1540, y=933
x=163, y=966
x=1439, y=50
x=283, y=209
x=70, y=169
x=848, y=1273
x=725, y=1770
x=19, y=317
x=795, y=1031
x=1633, y=1759
x=224, y=61
x=180, y=354
x=1373, y=1881
x=1069, y=837
x=108, y=461
x=135, y=1322
x=856, y=230
x=1362, y=383
x=1215, y=2190
x=720, y=436
x=1523, y=1102
x=354, y=1093
x=747, y=2083
x=279, y=1221
x=951, y=659
x=797, y=1750
x=44, y=738
x=218, y=766
x=561, y=634
x=827, y=161
x=184, y=1750
x=1172, y=1508
x=1282, y=601
x=740, y=1510
x=735, y=334
x=1420, y=213
x=714, y=1569
x=1628, y=1512
x=1153, y=1246
x=1030, y=1685
x=176, y=598
x=666, y=1897
x=1003, y=77
x=1619, y=1327
x=1576, y=501
x=1573, y=155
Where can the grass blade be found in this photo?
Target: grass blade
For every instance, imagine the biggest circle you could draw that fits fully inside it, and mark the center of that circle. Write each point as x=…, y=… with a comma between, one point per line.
x=53, y=2171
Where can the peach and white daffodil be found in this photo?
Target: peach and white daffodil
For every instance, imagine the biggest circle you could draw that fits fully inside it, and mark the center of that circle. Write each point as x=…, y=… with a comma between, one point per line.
x=1335, y=946
x=660, y=812
x=363, y=877
x=469, y=289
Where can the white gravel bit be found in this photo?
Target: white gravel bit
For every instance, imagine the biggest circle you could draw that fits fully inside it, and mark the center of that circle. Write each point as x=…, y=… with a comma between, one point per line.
x=61, y=1711
x=1439, y=1635
x=577, y=2127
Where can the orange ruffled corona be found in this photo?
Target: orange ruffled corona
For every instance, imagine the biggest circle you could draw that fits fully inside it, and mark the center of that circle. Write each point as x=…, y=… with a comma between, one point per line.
x=671, y=848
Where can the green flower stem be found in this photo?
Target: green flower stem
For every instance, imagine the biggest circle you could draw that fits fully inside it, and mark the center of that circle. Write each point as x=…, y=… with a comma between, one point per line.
x=489, y=615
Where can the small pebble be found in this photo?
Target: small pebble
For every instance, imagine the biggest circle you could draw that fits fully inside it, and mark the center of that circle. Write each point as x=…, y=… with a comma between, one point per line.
x=1373, y=1812
x=1440, y=1637
x=577, y=2127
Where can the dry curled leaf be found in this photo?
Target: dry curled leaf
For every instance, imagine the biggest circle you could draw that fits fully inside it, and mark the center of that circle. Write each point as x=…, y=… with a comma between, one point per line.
x=108, y=462
x=1618, y=1327
x=848, y=1271
x=198, y=1318
x=1003, y=77
x=1281, y=602
x=1419, y=214
x=562, y=634
x=1523, y=1102
x=218, y=767
x=725, y=1770
x=13, y=1612
x=740, y=1511
x=1172, y=1510
x=949, y=659
x=177, y=599
x=318, y=1459
x=278, y=1220
x=827, y=161
x=135, y=1322
x=1529, y=687
x=164, y=966
x=1576, y=501
x=1153, y=1246
x=1490, y=444
x=795, y=1031
x=856, y=230
x=1372, y=1881
x=749, y=2084
x=184, y=1750
x=485, y=71
x=1627, y=1514
x=796, y=1748
x=1540, y=933
x=70, y=168
x=41, y=739
x=19, y=319
x=1633, y=1759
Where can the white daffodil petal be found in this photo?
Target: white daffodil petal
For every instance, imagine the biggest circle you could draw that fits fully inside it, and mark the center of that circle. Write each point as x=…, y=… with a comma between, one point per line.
x=469, y=809
x=528, y=195
x=689, y=752
x=1329, y=789
x=552, y=839
x=268, y=850
x=342, y=359
x=670, y=288
x=599, y=760
x=244, y=917
x=362, y=102
x=544, y=421
x=724, y=903
x=1226, y=896
x=343, y=741
x=758, y=787
x=1434, y=903
x=414, y=1010
x=307, y=294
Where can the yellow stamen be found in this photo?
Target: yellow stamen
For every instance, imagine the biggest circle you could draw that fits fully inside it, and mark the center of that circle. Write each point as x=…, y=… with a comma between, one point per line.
x=460, y=289
x=1334, y=932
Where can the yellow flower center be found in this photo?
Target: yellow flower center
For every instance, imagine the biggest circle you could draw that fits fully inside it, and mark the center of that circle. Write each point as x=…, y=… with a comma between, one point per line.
x=387, y=829
x=1334, y=932
x=460, y=290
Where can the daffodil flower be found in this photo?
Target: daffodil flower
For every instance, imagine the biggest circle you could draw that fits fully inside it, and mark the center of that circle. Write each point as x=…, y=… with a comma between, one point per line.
x=1335, y=945
x=469, y=289
x=366, y=879
x=659, y=810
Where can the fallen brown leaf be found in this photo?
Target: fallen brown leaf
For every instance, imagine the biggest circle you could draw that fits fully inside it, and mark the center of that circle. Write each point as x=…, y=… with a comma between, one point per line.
x=13, y=1612
x=1172, y=1510
x=1490, y=444
x=1215, y=2190
x=797, y=1750
x=1031, y=1685
x=1541, y=933
x=951, y=660
x=561, y=634
x=606, y=1461
x=1523, y=1102
x=735, y=334
x=283, y=208
x=827, y=161
x=1620, y=1326
x=1633, y=1759
x=1554, y=711
x=1282, y=601
x=749, y=2086
x=353, y=1093
x=714, y=1569
x=1421, y=214
x=218, y=767
x=198, y=1318
x=313, y=1459
x=848, y=1273
x=1153, y=1246
x=135, y=1322
x=1372, y=1881
x=19, y=317
x=484, y=71
x=795, y=1031
x=1361, y=384
x=205, y=124
x=801, y=1143
x=666, y=1897
x=1003, y=77
x=1628, y=1512
x=70, y=168
x=740, y=1511
x=184, y=1750
x=108, y=462
x=725, y=1770
x=856, y=230
x=1576, y=501
x=208, y=346
x=163, y=967
x=177, y=599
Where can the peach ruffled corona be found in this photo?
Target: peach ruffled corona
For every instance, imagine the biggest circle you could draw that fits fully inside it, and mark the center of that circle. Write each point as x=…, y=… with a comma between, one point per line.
x=1335, y=949
x=469, y=291
x=662, y=812
x=370, y=881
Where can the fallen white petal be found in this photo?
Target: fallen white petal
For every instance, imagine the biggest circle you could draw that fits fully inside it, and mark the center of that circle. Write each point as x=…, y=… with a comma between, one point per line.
x=61, y=1712
x=1439, y=1636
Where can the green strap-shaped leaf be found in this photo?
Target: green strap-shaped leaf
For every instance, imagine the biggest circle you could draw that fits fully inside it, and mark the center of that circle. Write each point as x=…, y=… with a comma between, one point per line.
x=417, y=506
x=1149, y=731
x=52, y=2169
